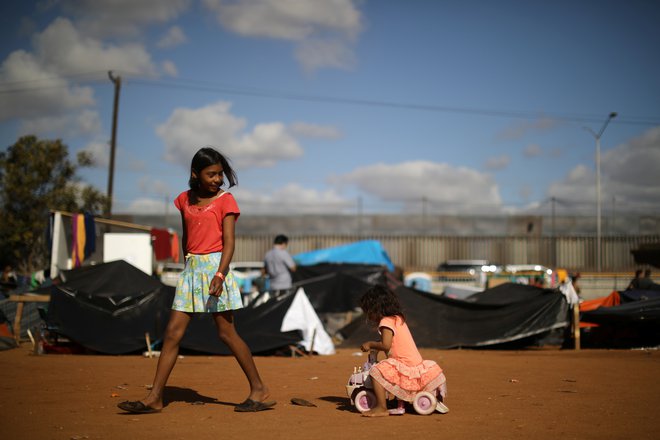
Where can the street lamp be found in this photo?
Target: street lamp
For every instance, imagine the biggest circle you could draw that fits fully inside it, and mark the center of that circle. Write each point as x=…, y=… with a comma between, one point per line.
x=597, y=137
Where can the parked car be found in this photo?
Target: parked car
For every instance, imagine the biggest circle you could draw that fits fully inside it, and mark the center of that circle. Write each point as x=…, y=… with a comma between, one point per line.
x=472, y=267
x=534, y=274
x=474, y=272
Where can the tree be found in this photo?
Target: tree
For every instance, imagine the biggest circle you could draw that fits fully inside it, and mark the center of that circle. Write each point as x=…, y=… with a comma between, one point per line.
x=37, y=176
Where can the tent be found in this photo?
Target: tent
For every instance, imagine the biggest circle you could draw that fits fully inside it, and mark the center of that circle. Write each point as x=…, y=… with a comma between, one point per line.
x=630, y=318
x=109, y=307
x=370, y=252
x=644, y=312
x=336, y=288
x=281, y=321
x=510, y=313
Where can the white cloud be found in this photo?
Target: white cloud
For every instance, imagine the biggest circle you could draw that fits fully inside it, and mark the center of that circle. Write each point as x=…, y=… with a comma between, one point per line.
x=100, y=152
x=293, y=198
x=170, y=68
x=316, y=54
x=520, y=129
x=35, y=91
x=125, y=18
x=629, y=174
x=174, y=37
x=61, y=48
x=498, y=163
x=323, y=30
x=525, y=192
x=304, y=129
x=532, y=150
x=187, y=130
x=83, y=123
x=124, y=157
x=145, y=205
x=38, y=81
x=458, y=188
x=287, y=19
x=153, y=186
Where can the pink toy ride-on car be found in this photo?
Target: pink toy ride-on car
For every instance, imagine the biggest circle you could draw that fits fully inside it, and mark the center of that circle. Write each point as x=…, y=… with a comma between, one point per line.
x=360, y=390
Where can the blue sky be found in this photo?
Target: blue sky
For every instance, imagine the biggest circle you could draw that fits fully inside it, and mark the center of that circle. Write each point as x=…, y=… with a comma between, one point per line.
x=339, y=105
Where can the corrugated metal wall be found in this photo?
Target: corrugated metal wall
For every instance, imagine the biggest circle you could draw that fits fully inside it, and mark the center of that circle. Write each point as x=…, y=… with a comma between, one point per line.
x=426, y=252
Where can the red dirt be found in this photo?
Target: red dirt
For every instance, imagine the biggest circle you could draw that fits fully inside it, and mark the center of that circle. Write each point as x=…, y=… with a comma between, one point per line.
x=533, y=394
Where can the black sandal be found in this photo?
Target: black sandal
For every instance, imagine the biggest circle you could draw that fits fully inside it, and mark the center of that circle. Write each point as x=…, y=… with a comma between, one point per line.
x=250, y=405
x=136, y=407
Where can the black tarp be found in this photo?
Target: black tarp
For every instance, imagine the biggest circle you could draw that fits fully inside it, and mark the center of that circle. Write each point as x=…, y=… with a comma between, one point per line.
x=335, y=288
x=635, y=323
x=109, y=307
x=638, y=295
x=645, y=311
x=258, y=326
x=513, y=312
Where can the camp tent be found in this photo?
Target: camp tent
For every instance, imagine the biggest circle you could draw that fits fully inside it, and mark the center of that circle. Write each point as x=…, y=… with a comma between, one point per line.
x=369, y=252
x=336, y=288
x=109, y=307
x=635, y=322
x=507, y=314
x=279, y=322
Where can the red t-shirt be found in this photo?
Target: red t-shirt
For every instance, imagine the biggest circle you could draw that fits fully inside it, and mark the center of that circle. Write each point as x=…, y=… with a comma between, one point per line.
x=204, y=223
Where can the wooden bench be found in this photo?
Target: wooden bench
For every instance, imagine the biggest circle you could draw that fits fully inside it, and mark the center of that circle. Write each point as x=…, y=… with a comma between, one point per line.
x=21, y=300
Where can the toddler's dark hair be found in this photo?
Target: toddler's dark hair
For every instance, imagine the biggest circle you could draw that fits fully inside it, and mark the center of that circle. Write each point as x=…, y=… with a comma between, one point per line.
x=206, y=157
x=379, y=301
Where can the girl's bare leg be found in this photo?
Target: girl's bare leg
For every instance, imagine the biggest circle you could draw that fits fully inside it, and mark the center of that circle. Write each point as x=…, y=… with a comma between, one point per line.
x=176, y=328
x=227, y=332
x=381, y=402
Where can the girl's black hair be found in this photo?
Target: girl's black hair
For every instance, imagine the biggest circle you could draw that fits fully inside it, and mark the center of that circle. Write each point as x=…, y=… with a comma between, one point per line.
x=379, y=301
x=206, y=157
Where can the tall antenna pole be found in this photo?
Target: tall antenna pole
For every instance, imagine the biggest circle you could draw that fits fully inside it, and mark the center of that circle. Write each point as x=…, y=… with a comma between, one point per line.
x=113, y=140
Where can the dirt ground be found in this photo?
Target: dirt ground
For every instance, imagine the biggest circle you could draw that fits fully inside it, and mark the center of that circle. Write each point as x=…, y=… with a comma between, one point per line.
x=531, y=394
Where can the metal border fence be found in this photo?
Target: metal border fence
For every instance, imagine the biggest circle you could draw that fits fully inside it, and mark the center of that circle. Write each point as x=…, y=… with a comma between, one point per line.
x=424, y=253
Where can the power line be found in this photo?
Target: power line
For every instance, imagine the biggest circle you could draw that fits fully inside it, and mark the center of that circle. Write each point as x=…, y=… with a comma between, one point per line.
x=203, y=86
x=199, y=86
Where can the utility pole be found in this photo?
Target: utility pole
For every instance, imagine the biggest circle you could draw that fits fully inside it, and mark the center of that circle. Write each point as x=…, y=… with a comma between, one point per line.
x=554, y=235
x=597, y=137
x=113, y=140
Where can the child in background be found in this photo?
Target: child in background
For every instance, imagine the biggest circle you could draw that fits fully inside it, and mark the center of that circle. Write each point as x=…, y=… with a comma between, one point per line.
x=208, y=215
x=404, y=373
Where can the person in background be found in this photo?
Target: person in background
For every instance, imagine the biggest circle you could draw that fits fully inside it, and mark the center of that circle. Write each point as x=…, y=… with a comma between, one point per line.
x=634, y=283
x=575, y=278
x=646, y=283
x=278, y=265
x=8, y=281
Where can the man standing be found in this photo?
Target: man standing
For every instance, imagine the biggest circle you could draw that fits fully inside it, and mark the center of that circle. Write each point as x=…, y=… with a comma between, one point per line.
x=646, y=283
x=278, y=265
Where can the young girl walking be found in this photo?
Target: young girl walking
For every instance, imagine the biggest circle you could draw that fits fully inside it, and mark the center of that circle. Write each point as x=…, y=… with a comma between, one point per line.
x=403, y=373
x=208, y=215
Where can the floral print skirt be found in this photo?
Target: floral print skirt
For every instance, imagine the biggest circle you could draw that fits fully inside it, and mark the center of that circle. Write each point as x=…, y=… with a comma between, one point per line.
x=192, y=289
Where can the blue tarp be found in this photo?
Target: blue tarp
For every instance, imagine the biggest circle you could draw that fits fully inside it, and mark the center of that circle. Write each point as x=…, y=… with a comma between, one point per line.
x=361, y=252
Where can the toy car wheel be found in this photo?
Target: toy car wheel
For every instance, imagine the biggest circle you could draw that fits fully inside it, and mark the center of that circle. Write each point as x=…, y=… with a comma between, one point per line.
x=424, y=403
x=365, y=400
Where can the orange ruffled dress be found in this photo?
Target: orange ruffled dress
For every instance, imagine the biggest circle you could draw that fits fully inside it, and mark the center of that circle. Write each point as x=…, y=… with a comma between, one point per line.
x=404, y=373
